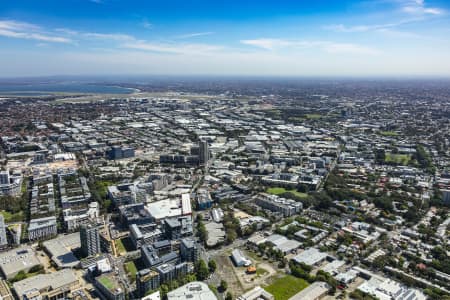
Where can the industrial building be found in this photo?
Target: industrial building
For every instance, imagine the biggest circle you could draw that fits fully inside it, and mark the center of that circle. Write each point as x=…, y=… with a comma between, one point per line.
x=16, y=260
x=239, y=259
x=60, y=250
x=257, y=293
x=194, y=291
x=317, y=290
x=56, y=285
x=310, y=257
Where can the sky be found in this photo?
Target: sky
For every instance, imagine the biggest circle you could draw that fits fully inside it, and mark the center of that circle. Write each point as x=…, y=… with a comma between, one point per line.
x=217, y=37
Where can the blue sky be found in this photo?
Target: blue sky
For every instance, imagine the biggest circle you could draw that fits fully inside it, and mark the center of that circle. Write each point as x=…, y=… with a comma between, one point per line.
x=283, y=38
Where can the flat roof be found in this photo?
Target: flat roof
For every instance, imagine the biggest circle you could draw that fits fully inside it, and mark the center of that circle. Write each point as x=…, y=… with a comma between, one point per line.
x=310, y=256
x=165, y=208
x=17, y=260
x=288, y=246
x=110, y=282
x=53, y=281
x=61, y=248
x=41, y=222
x=194, y=291
x=313, y=291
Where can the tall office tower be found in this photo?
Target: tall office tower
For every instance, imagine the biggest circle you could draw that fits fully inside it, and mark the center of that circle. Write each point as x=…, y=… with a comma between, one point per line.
x=4, y=177
x=3, y=239
x=203, y=152
x=90, y=240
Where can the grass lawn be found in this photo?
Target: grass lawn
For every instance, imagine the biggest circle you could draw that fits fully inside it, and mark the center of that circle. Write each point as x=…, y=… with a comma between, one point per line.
x=285, y=287
x=388, y=133
x=106, y=282
x=10, y=217
x=120, y=247
x=313, y=116
x=131, y=269
x=402, y=159
x=261, y=271
x=280, y=190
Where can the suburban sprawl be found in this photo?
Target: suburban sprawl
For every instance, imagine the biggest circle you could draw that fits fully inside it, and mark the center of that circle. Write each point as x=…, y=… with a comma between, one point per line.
x=228, y=189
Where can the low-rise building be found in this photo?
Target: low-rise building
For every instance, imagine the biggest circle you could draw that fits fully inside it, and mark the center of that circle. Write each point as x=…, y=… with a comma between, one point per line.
x=315, y=291
x=193, y=291
x=310, y=257
x=55, y=285
x=257, y=293
x=60, y=250
x=239, y=259
x=16, y=260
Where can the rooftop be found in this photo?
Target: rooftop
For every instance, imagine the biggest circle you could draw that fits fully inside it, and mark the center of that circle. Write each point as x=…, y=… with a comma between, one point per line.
x=193, y=291
x=52, y=281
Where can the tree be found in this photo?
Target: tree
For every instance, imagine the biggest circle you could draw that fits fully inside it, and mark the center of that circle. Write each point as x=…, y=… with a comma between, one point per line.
x=223, y=286
x=323, y=201
x=201, y=270
x=20, y=276
x=228, y=296
x=212, y=265
x=164, y=289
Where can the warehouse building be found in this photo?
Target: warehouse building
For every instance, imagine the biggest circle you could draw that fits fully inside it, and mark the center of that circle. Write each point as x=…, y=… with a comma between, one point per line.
x=56, y=285
x=194, y=291
x=19, y=259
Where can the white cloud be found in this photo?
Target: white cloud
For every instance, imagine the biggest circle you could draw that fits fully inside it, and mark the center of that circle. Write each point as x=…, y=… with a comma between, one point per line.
x=108, y=36
x=327, y=46
x=419, y=7
x=22, y=30
x=146, y=24
x=360, y=28
x=269, y=44
x=173, y=48
x=349, y=48
x=195, y=34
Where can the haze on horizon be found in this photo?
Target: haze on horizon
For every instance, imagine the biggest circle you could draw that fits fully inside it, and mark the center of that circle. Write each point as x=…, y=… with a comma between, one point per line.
x=264, y=38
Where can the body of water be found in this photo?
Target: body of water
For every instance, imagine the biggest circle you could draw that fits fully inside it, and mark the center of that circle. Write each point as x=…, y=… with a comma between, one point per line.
x=40, y=89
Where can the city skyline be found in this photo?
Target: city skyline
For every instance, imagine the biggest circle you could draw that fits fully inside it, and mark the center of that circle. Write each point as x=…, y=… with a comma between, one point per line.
x=292, y=38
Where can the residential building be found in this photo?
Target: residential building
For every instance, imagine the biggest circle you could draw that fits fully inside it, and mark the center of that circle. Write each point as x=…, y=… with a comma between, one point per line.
x=3, y=238
x=189, y=250
x=274, y=203
x=146, y=280
x=42, y=228
x=90, y=240
x=110, y=287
